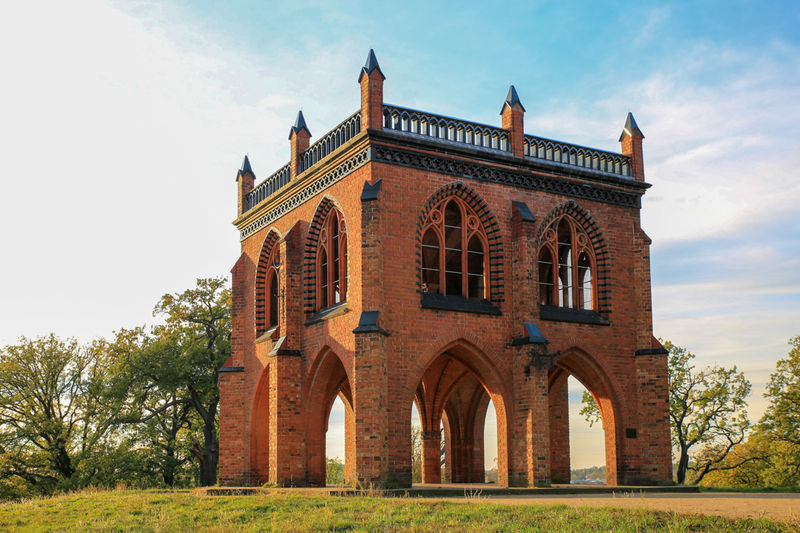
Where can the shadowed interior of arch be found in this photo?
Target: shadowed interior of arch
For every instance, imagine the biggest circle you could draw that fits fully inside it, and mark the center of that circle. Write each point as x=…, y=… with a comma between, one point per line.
x=451, y=404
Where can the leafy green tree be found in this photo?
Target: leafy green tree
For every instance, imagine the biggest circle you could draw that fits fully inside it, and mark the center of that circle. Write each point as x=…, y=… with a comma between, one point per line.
x=158, y=410
x=334, y=471
x=189, y=347
x=56, y=412
x=707, y=414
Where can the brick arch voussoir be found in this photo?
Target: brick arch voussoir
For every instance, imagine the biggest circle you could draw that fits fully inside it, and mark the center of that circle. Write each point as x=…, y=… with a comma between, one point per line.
x=270, y=241
x=601, y=255
x=326, y=204
x=470, y=197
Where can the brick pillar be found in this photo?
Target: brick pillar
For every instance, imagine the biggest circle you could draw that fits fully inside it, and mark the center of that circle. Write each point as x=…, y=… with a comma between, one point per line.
x=530, y=444
x=245, y=179
x=513, y=121
x=653, y=431
x=370, y=388
x=371, y=81
x=631, y=140
x=559, y=431
x=234, y=452
x=299, y=139
x=431, y=457
x=287, y=453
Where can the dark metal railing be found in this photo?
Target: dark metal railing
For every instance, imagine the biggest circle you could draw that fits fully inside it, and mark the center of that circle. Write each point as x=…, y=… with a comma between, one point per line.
x=330, y=142
x=444, y=128
x=577, y=156
x=268, y=187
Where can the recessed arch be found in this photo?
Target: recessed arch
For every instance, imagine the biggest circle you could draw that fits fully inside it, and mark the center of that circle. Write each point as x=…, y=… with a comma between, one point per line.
x=265, y=275
x=317, y=237
x=259, y=430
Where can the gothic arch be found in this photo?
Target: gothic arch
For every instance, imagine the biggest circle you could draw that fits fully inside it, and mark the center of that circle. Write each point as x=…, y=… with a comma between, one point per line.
x=601, y=255
x=583, y=367
x=327, y=378
x=259, y=430
x=310, y=251
x=270, y=242
x=490, y=226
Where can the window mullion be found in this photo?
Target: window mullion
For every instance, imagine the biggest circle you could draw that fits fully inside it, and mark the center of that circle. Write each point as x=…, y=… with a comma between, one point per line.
x=577, y=301
x=440, y=237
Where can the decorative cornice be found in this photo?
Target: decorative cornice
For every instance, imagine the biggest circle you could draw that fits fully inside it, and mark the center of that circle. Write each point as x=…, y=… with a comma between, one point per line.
x=476, y=171
x=342, y=170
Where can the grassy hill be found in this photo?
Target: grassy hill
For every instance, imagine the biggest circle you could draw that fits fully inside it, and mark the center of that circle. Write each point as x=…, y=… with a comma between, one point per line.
x=190, y=511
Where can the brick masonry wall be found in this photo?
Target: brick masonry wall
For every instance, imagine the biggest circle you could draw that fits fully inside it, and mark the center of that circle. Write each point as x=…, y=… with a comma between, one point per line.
x=385, y=371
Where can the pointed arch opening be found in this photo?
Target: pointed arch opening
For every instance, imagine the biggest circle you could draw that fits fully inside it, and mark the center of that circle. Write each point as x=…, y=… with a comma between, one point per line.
x=574, y=373
x=267, y=286
x=452, y=400
x=329, y=386
x=326, y=258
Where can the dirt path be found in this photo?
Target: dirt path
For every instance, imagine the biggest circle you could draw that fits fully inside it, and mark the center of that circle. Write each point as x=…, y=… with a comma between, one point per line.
x=784, y=507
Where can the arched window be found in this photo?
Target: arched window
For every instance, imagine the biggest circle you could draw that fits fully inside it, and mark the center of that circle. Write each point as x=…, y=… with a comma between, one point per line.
x=565, y=266
x=454, y=245
x=332, y=261
x=268, y=286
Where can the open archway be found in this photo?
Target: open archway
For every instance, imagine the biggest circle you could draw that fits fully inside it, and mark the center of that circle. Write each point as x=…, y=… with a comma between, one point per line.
x=328, y=382
x=582, y=367
x=452, y=398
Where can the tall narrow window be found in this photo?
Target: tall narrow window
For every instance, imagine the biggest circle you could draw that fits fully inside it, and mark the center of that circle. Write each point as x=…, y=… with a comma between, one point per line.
x=267, y=309
x=272, y=284
x=563, y=280
x=332, y=261
x=454, y=258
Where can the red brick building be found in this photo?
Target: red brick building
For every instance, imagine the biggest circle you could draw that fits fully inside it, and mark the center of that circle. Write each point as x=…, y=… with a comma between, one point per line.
x=411, y=258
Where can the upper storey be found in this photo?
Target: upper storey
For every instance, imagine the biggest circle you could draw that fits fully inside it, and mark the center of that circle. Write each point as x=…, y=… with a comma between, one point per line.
x=501, y=154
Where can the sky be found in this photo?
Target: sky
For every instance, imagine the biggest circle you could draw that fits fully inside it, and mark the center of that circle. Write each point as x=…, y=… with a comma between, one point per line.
x=122, y=125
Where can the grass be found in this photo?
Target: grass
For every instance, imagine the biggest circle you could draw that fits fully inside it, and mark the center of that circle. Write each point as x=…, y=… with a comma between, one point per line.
x=188, y=511
x=789, y=490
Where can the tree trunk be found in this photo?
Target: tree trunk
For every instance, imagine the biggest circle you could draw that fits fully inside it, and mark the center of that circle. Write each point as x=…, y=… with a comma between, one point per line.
x=209, y=454
x=683, y=466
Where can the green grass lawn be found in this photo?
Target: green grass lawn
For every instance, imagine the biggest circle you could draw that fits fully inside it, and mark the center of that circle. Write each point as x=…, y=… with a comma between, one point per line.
x=187, y=511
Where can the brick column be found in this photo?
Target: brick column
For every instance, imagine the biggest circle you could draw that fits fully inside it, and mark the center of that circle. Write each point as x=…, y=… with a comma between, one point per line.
x=530, y=445
x=287, y=453
x=431, y=457
x=234, y=452
x=653, y=431
x=559, y=431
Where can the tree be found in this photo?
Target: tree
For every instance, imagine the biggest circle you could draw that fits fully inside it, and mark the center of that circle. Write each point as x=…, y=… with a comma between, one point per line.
x=707, y=414
x=194, y=342
x=56, y=411
x=781, y=420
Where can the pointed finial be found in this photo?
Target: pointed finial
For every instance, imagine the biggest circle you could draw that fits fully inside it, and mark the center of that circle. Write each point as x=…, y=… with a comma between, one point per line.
x=630, y=127
x=299, y=124
x=371, y=65
x=512, y=99
x=245, y=168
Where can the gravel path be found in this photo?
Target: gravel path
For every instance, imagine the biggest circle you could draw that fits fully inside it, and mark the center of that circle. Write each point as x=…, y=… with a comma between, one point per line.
x=783, y=507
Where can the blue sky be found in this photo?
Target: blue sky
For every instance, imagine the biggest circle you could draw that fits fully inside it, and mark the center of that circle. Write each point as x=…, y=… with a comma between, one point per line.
x=123, y=124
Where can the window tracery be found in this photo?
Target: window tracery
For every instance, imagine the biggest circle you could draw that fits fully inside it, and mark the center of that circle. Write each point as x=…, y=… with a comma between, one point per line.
x=332, y=261
x=566, y=265
x=454, y=251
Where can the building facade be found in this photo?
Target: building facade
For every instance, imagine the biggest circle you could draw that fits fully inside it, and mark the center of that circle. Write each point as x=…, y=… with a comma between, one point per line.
x=408, y=258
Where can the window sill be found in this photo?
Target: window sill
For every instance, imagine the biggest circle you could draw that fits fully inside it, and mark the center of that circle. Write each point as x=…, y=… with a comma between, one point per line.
x=327, y=313
x=568, y=314
x=270, y=334
x=458, y=303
